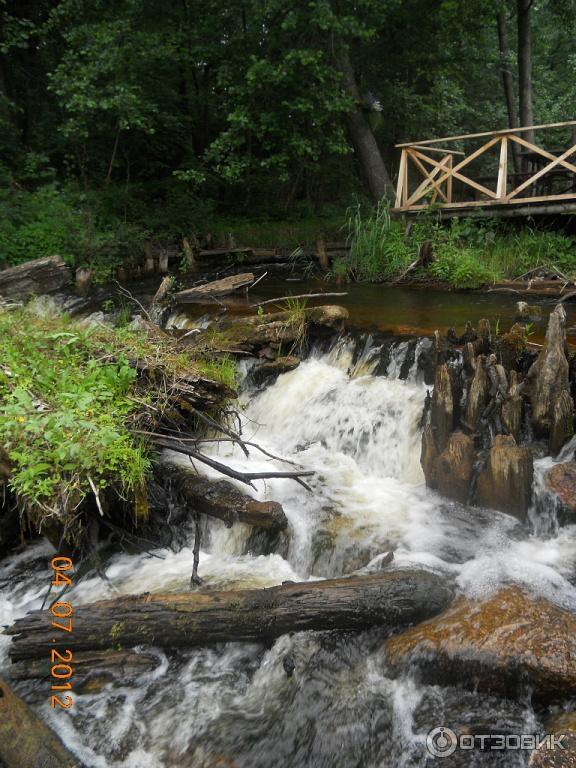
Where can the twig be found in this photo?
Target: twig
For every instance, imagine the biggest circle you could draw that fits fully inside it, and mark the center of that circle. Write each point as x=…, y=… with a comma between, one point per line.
x=257, y=281
x=127, y=293
x=299, y=296
x=244, y=477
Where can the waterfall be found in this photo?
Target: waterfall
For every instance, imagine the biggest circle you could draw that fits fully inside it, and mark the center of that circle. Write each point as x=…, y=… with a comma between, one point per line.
x=234, y=704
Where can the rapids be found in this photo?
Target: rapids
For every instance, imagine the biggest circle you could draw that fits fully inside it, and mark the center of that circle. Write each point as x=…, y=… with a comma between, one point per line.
x=234, y=705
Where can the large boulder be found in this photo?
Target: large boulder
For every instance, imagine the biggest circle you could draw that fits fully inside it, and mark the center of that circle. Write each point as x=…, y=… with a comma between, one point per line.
x=454, y=467
x=505, y=482
x=506, y=644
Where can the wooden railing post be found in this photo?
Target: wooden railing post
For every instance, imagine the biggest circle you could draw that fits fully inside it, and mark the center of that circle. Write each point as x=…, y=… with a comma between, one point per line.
x=502, y=184
x=450, y=165
x=401, y=188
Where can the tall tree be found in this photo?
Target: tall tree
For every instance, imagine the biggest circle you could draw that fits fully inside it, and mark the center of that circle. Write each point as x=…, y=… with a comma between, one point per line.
x=524, y=10
x=370, y=161
x=507, y=78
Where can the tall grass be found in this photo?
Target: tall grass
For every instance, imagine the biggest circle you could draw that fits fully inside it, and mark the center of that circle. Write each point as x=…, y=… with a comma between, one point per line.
x=378, y=247
x=466, y=253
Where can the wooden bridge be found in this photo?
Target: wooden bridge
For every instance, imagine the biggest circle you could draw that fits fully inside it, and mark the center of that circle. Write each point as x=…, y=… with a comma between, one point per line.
x=507, y=175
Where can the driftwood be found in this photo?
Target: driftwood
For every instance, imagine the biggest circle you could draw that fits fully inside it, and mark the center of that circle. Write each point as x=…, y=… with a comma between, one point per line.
x=25, y=741
x=214, y=289
x=34, y=277
x=200, y=618
x=299, y=296
x=219, y=498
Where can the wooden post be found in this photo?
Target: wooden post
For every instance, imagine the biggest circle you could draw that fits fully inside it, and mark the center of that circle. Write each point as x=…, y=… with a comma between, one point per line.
x=449, y=180
x=401, y=190
x=501, y=187
x=322, y=254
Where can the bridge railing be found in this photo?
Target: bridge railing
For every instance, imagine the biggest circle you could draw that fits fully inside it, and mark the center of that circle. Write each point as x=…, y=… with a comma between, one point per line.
x=519, y=171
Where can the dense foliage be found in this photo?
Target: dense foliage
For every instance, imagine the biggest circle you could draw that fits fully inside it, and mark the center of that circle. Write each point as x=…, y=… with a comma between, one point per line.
x=72, y=402
x=136, y=119
x=465, y=253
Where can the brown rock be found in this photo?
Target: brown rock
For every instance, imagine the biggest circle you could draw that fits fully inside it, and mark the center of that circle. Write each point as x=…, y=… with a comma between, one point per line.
x=563, y=756
x=454, y=467
x=561, y=480
x=505, y=483
x=502, y=645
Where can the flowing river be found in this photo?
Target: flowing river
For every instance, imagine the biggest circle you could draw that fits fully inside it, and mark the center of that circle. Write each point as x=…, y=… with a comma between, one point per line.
x=234, y=705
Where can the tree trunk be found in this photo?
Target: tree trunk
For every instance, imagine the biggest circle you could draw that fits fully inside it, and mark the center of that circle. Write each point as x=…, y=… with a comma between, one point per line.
x=214, y=289
x=25, y=741
x=34, y=277
x=219, y=498
x=525, y=65
x=201, y=618
x=365, y=146
x=508, y=82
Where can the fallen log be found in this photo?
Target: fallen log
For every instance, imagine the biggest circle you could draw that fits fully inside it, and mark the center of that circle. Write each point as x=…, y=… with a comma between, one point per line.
x=200, y=618
x=214, y=289
x=25, y=741
x=34, y=277
x=219, y=498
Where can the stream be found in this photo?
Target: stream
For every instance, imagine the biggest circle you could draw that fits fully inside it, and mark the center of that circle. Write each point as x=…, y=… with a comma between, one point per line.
x=234, y=705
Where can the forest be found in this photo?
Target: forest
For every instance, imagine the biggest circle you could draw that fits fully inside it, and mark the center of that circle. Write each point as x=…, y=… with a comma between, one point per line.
x=127, y=121
x=287, y=384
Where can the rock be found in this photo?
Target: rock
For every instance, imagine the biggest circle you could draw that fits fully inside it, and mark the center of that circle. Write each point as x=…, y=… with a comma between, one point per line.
x=561, y=754
x=505, y=483
x=505, y=644
x=552, y=406
x=330, y=316
x=454, y=467
x=561, y=480
x=442, y=409
x=477, y=395
x=273, y=369
x=528, y=312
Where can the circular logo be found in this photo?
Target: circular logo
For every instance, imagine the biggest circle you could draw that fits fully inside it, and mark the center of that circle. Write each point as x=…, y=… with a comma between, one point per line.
x=441, y=741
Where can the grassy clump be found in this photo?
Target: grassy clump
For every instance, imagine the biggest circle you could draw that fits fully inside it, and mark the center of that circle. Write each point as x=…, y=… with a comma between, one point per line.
x=71, y=403
x=467, y=253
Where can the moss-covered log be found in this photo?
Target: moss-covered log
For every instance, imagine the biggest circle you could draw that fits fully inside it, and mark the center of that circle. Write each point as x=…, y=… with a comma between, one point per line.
x=25, y=741
x=200, y=618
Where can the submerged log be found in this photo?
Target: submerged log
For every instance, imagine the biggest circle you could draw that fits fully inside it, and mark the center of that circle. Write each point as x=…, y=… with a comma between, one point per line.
x=219, y=498
x=214, y=289
x=34, y=277
x=200, y=618
x=25, y=741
